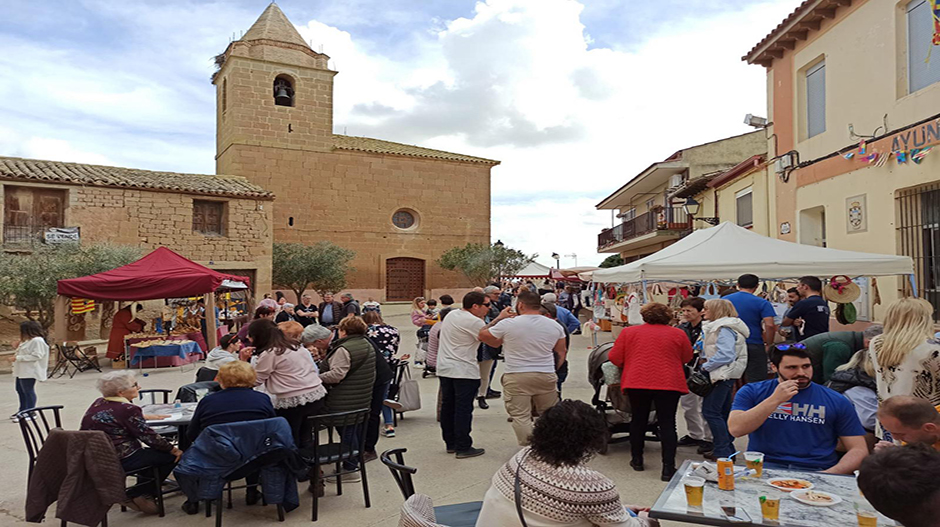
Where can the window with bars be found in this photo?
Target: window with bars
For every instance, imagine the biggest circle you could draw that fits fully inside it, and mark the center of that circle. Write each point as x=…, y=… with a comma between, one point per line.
x=920, y=27
x=208, y=217
x=918, y=233
x=29, y=211
x=744, y=208
x=816, y=99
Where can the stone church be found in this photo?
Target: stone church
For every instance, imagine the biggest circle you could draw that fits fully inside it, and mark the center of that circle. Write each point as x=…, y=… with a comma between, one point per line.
x=398, y=206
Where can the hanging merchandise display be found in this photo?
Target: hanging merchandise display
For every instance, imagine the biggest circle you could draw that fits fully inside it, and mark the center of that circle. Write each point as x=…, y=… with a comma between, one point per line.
x=841, y=290
x=876, y=295
x=709, y=291
x=658, y=294
x=846, y=314
x=633, y=305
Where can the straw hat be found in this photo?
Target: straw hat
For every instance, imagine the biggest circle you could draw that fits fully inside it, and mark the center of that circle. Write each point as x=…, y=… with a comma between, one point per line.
x=841, y=290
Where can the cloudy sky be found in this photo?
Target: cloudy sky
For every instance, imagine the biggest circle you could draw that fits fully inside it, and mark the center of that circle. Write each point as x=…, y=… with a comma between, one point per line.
x=573, y=97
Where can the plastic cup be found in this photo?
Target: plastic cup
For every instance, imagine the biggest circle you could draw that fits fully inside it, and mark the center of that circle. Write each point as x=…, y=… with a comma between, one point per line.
x=770, y=508
x=755, y=462
x=866, y=518
x=694, y=490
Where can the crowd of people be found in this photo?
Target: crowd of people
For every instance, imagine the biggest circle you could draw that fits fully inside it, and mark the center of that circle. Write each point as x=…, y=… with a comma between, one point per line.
x=806, y=397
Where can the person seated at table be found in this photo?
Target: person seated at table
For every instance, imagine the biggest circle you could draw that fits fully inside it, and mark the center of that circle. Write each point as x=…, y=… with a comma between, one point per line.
x=795, y=422
x=558, y=487
x=902, y=484
x=911, y=420
x=286, y=314
x=226, y=351
x=855, y=380
x=236, y=402
x=291, y=329
x=115, y=414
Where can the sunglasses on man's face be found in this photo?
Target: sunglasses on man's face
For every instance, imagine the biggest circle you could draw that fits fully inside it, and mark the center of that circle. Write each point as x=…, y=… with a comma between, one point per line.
x=487, y=304
x=795, y=346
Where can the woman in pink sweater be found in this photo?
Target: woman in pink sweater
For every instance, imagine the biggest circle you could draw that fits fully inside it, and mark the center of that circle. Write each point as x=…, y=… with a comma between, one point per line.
x=287, y=373
x=651, y=357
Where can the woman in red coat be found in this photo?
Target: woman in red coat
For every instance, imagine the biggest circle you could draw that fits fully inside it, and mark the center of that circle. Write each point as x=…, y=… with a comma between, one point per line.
x=650, y=357
x=123, y=324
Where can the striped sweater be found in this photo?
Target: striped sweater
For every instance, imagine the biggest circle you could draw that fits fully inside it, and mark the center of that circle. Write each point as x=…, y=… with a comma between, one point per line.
x=554, y=496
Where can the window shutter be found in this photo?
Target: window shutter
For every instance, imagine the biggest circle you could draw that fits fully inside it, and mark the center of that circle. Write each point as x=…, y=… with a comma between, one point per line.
x=919, y=34
x=214, y=218
x=816, y=99
x=199, y=217
x=745, y=210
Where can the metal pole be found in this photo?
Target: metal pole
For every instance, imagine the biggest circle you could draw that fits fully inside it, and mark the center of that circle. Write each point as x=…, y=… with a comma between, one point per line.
x=645, y=300
x=913, y=284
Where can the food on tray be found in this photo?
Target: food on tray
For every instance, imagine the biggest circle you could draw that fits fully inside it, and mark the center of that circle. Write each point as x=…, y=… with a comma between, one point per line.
x=158, y=342
x=790, y=483
x=816, y=497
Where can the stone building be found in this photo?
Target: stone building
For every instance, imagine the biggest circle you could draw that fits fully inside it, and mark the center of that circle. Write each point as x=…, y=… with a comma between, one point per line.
x=223, y=222
x=398, y=206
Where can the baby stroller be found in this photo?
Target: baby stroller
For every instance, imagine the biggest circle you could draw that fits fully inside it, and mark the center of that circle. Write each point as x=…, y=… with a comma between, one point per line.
x=613, y=404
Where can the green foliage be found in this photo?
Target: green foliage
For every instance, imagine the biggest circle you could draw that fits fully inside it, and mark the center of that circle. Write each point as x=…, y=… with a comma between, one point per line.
x=613, y=260
x=481, y=263
x=28, y=281
x=322, y=266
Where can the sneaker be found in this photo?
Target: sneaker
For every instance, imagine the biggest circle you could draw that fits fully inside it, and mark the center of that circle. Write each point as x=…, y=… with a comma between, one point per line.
x=472, y=452
x=389, y=432
x=394, y=405
x=688, y=440
x=369, y=456
x=705, y=446
x=352, y=477
x=14, y=418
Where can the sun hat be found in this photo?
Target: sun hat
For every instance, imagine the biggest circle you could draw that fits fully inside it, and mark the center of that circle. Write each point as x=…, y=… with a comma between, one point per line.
x=841, y=290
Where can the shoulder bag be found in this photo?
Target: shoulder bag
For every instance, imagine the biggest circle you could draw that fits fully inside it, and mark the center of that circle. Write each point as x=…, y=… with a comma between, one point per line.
x=699, y=382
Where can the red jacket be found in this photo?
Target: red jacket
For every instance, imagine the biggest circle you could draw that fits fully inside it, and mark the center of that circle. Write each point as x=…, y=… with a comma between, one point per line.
x=651, y=357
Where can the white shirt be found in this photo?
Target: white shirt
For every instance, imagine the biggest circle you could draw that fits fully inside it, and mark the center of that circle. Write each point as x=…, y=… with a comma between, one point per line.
x=528, y=341
x=32, y=359
x=458, y=344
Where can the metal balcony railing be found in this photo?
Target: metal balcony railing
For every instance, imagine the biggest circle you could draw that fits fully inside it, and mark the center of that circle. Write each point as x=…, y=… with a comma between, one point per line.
x=671, y=219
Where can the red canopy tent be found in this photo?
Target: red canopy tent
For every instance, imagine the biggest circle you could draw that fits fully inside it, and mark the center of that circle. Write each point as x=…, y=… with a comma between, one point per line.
x=160, y=274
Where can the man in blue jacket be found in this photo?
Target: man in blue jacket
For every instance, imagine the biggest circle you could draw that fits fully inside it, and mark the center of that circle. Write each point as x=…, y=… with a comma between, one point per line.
x=571, y=323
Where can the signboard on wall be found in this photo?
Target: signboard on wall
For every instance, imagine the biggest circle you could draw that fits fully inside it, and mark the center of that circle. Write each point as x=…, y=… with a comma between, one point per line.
x=56, y=235
x=856, y=210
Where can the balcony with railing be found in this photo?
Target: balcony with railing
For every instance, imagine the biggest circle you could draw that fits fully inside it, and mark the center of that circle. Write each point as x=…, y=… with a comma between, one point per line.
x=670, y=222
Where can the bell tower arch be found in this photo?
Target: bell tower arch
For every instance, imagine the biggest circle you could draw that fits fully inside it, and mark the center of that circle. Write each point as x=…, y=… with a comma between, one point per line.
x=273, y=92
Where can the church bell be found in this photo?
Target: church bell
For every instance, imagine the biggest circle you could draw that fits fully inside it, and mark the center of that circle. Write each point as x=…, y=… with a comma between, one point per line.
x=282, y=97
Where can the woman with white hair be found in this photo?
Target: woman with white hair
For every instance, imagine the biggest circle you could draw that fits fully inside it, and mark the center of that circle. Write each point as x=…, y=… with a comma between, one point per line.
x=906, y=357
x=115, y=414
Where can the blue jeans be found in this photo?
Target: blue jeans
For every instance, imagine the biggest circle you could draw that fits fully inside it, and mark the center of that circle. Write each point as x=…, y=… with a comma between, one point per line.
x=26, y=390
x=387, y=415
x=716, y=407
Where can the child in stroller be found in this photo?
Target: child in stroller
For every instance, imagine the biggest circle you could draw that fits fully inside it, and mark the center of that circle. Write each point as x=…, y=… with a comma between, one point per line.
x=613, y=405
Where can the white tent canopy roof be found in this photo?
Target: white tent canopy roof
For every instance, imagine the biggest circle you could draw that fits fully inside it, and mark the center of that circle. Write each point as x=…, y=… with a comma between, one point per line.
x=533, y=270
x=728, y=251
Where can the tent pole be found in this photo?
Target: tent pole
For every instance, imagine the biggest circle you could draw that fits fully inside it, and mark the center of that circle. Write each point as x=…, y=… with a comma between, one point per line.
x=61, y=321
x=645, y=300
x=212, y=331
x=913, y=284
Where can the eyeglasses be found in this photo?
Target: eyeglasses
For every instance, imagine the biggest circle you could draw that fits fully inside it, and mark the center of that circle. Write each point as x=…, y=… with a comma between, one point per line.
x=487, y=304
x=794, y=346
x=136, y=385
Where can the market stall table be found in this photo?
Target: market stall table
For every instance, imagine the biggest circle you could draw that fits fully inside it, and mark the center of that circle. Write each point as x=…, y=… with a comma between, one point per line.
x=178, y=353
x=672, y=504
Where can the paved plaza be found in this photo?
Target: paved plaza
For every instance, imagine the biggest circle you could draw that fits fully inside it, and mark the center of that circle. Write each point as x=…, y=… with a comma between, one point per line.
x=440, y=475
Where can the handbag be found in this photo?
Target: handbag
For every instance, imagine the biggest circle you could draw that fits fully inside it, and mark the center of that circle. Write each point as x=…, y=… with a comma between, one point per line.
x=700, y=383
x=634, y=318
x=658, y=294
x=409, y=393
x=709, y=292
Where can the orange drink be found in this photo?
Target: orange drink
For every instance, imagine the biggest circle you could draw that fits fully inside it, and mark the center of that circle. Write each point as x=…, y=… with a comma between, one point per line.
x=725, y=474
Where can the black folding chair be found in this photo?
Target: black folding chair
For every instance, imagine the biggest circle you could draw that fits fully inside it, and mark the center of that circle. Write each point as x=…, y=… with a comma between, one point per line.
x=456, y=515
x=335, y=451
x=153, y=393
x=206, y=374
x=271, y=458
x=71, y=355
x=35, y=426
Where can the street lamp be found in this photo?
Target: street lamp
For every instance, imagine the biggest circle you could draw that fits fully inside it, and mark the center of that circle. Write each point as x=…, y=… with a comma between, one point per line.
x=573, y=255
x=557, y=258
x=692, y=207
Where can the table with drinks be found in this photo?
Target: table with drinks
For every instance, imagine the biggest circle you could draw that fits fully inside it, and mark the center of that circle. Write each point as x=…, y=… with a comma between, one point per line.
x=750, y=499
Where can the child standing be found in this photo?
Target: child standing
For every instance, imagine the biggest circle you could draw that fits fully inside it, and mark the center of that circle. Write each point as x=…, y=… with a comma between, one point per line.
x=31, y=364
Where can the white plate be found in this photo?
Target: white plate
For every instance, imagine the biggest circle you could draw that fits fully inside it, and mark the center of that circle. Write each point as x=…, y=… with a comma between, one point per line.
x=785, y=489
x=800, y=496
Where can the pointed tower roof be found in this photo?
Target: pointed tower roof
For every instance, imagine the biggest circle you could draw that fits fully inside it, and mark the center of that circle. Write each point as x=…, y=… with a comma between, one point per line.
x=274, y=25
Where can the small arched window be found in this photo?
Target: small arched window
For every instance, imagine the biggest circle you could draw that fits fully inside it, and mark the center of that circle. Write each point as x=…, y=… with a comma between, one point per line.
x=283, y=91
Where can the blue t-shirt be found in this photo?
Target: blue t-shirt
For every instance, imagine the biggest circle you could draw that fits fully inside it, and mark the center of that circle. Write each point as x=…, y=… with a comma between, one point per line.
x=803, y=431
x=752, y=310
x=814, y=311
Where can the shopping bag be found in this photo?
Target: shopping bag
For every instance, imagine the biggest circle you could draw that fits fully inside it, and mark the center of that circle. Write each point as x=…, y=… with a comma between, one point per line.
x=658, y=294
x=421, y=350
x=633, y=310
x=409, y=393
x=709, y=292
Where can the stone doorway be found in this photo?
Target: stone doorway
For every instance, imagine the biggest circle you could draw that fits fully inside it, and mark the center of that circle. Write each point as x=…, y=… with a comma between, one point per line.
x=404, y=279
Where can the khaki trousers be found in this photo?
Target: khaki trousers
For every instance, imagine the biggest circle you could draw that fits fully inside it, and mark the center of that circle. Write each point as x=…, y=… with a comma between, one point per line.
x=524, y=391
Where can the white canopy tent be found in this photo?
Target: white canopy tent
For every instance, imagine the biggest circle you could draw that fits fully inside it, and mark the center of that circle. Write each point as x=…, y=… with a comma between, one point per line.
x=728, y=251
x=534, y=270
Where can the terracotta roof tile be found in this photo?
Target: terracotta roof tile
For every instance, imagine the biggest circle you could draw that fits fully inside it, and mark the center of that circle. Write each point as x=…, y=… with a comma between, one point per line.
x=798, y=12
x=378, y=146
x=105, y=176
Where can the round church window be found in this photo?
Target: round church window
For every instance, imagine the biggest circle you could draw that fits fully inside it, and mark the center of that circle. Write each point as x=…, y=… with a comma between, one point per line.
x=403, y=219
